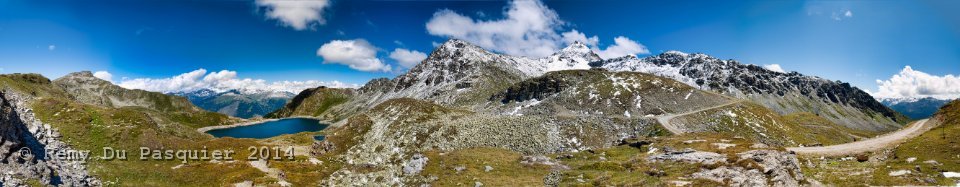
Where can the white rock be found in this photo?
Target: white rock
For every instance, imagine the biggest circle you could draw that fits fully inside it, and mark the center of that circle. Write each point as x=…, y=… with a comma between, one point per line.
x=951, y=174
x=244, y=184
x=315, y=161
x=723, y=145
x=899, y=173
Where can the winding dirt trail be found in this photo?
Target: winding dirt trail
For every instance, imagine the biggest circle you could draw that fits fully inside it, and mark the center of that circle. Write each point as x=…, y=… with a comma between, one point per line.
x=665, y=119
x=873, y=144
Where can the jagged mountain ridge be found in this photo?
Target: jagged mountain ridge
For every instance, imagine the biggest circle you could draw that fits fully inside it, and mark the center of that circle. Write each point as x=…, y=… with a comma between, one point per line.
x=238, y=103
x=461, y=74
x=785, y=93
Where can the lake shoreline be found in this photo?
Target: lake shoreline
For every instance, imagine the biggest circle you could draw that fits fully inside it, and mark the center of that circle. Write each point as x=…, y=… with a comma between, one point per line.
x=254, y=122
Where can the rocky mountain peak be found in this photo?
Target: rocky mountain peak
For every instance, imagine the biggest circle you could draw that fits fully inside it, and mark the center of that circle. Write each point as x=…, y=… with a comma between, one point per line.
x=82, y=78
x=80, y=74
x=577, y=51
x=576, y=47
x=458, y=46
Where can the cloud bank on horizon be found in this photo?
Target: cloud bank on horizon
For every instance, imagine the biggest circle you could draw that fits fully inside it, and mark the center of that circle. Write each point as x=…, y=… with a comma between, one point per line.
x=220, y=81
x=910, y=83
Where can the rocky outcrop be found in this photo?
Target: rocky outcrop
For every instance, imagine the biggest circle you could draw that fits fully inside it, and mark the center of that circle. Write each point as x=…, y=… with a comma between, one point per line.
x=689, y=156
x=27, y=147
x=758, y=168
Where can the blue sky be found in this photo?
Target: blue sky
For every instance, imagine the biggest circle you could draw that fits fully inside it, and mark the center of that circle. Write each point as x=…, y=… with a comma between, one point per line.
x=852, y=41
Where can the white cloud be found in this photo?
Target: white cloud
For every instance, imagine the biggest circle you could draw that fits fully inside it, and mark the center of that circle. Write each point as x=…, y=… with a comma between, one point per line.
x=358, y=54
x=52, y=47
x=910, y=83
x=221, y=81
x=104, y=75
x=407, y=58
x=622, y=45
x=529, y=29
x=774, y=67
x=840, y=16
x=299, y=14
x=577, y=36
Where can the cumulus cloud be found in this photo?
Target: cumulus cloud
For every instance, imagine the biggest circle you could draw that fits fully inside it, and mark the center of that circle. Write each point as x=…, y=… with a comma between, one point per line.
x=357, y=54
x=103, y=75
x=52, y=47
x=299, y=14
x=407, y=58
x=774, y=67
x=529, y=28
x=223, y=80
x=910, y=83
x=622, y=45
x=577, y=36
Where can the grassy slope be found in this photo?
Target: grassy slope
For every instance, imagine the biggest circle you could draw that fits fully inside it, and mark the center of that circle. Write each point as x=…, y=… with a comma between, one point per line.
x=92, y=127
x=313, y=102
x=940, y=145
x=621, y=165
x=758, y=123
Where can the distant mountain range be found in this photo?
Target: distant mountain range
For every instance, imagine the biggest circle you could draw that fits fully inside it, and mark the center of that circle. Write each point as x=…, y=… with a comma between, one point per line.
x=243, y=104
x=915, y=108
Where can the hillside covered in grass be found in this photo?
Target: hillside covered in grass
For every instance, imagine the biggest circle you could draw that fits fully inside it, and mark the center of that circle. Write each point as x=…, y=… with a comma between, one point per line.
x=80, y=112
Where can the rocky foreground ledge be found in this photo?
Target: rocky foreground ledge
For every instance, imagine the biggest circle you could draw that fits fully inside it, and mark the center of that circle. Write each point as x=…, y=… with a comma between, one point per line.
x=20, y=130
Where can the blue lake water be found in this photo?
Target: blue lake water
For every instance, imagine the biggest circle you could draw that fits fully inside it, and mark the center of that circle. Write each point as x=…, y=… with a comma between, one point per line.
x=271, y=128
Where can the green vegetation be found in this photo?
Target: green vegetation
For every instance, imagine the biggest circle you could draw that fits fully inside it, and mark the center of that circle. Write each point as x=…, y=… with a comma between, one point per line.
x=313, y=102
x=756, y=122
x=621, y=165
x=820, y=130
x=505, y=164
x=925, y=157
x=88, y=126
x=348, y=135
